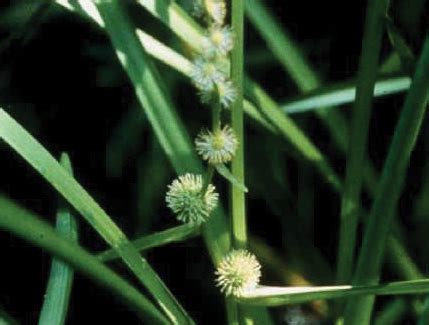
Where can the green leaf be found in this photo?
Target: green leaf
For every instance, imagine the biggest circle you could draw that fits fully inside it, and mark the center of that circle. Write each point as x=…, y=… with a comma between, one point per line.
x=32, y=229
x=291, y=131
x=357, y=153
x=278, y=296
x=165, y=237
x=41, y=160
x=343, y=93
x=55, y=306
x=170, y=13
x=226, y=173
x=281, y=45
x=394, y=171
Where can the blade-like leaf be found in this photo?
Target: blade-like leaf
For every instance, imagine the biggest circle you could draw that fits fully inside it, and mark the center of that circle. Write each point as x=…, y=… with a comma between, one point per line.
x=226, y=173
x=394, y=171
x=291, y=131
x=172, y=235
x=343, y=94
x=277, y=296
x=55, y=306
x=41, y=160
x=31, y=228
x=357, y=153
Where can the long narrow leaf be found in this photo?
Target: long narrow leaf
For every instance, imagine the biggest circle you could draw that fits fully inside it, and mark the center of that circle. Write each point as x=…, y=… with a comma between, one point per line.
x=172, y=235
x=41, y=160
x=343, y=94
x=356, y=154
x=277, y=296
x=288, y=128
x=370, y=257
x=226, y=173
x=265, y=23
x=31, y=228
x=55, y=306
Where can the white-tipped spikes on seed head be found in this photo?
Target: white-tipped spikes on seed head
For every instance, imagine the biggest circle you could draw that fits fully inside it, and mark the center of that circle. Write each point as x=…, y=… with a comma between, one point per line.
x=219, y=41
x=216, y=10
x=185, y=199
x=206, y=74
x=238, y=271
x=217, y=147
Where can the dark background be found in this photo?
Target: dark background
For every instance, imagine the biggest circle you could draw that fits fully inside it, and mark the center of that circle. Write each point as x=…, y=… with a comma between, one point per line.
x=60, y=78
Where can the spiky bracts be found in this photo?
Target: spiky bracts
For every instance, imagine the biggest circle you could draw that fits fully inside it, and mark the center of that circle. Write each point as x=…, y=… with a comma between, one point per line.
x=217, y=147
x=186, y=200
x=238, y=271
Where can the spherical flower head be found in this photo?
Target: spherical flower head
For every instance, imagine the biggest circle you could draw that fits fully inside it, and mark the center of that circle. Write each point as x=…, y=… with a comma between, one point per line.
x=206, y=74
x=226, y=92
x=238, y=271
x=217, y=147
x=216, y=10
x=219, y=41
x=186, y=200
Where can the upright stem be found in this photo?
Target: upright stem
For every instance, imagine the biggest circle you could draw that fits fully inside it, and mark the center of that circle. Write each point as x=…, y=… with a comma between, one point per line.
x=356, y=154
x=216, y=111
x=358, y=311
x=239, y=233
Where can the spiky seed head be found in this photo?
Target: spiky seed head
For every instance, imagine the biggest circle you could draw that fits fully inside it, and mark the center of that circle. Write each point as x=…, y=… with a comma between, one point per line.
x=238, y=271
x=216, y=10
x=185, y=199
x=206, y=74
x=219, y=41
x=217, y=147
x=226, y=92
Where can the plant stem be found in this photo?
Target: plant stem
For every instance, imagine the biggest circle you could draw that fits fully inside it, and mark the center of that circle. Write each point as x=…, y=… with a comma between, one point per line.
x=216, y=125
x=238, y=209
x=216, y=114
x=367, y=75
x=239, y=233
x=358, y=311
x=207, y=179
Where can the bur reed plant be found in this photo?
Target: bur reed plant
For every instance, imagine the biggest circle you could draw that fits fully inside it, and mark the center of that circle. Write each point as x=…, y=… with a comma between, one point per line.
x=209, y=194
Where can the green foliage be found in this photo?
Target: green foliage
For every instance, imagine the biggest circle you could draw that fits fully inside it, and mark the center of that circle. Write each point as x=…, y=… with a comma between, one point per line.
x=55, y=306
x=207, y=58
